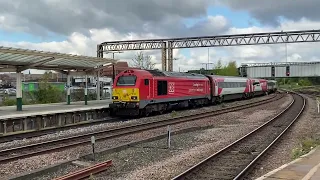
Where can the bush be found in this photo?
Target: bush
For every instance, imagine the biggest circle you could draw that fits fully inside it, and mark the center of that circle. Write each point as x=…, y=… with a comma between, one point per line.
x=6, y=101
x=47, y=93
x=78, y=95
x=9, y=102
x=305, y=147
x=304, y=82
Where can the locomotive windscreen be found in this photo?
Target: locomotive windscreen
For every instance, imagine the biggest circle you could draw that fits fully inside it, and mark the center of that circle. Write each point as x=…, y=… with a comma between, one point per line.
x=127, y=81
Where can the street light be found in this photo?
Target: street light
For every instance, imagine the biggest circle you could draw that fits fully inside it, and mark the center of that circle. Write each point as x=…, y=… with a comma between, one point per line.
x=174, y=59
x=113, y=68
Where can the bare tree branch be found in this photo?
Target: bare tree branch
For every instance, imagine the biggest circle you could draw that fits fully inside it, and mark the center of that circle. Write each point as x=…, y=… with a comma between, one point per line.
x=142, y=61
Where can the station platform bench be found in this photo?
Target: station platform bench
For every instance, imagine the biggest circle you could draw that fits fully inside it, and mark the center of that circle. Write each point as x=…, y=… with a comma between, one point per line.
x=306, y=167
x=39, y=116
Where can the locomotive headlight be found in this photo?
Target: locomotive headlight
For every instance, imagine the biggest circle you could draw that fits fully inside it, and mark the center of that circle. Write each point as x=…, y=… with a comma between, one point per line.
x=134, y=97
x=114, y=97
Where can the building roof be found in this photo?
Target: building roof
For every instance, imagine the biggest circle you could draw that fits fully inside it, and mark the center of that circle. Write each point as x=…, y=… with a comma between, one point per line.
x=33, y=59
x=119, y=66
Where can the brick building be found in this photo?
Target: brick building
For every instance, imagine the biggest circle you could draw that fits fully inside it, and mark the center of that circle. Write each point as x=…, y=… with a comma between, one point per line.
x=119, y=67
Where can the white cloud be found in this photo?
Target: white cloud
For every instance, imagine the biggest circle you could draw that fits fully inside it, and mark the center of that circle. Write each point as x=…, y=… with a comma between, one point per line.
x=78, y=43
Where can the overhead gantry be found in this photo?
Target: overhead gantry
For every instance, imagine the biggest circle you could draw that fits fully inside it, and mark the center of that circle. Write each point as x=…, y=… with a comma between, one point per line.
x=167, y=45
x=18, y=60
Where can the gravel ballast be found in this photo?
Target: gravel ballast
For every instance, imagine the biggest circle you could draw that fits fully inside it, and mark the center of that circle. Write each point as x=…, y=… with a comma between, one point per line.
x=104, y=126
x=152, y=160
x=307, y=126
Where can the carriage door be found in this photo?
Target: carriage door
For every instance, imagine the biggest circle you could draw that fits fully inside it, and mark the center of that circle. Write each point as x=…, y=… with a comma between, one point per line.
x=251, y=85
x=216, y=90
x=147, y=85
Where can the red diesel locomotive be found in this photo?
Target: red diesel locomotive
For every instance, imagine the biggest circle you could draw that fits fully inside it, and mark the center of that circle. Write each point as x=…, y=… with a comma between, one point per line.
x=141, y=92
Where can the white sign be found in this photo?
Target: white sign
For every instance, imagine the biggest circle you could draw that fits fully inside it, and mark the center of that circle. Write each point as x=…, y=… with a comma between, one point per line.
x=93, y=139
x=171, y=88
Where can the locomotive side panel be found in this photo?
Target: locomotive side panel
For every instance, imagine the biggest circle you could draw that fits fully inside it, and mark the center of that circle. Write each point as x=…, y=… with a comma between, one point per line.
x=176, y=89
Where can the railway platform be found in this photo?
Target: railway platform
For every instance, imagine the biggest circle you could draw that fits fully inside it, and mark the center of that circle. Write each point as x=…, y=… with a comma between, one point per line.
x=40, y=116
x=304, y=168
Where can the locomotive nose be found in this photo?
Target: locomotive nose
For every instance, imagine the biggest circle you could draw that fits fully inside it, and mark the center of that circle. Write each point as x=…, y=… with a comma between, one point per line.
x=126, y=94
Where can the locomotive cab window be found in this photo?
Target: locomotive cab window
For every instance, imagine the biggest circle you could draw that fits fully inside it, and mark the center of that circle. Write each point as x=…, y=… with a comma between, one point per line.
x=126, y=81
x=146, y=82
x=162, y=88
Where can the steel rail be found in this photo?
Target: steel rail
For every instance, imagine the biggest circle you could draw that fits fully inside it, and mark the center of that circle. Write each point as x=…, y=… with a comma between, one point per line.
x=234, y=149
x=36, y=133
x=86, y=172
x=58, y=144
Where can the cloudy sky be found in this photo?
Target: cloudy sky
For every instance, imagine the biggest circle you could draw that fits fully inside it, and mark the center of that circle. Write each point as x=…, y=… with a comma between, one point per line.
x=77, y=26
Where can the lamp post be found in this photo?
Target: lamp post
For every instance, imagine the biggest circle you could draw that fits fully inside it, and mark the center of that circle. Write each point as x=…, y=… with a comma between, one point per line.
x=113, y=68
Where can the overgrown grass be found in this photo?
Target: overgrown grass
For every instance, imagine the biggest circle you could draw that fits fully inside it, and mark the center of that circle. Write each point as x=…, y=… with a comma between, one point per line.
x=174, y=114
x=91, y=177
x=305, y=147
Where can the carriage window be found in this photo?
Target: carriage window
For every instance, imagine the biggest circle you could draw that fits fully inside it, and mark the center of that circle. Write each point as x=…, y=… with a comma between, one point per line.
x=126, y=81
x=162, y=88
x=146, y=82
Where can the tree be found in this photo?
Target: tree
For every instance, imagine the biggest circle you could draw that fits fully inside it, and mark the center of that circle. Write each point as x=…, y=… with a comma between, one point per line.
x=218, y=68
x=46, y=92
x=226, y=70
x=231, y=69
x=143, y=61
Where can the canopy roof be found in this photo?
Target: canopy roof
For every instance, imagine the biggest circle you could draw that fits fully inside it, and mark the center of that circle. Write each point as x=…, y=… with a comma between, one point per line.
x=32, y=59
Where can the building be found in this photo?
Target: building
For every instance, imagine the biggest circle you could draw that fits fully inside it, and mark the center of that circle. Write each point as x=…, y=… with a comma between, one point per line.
x=119, y=67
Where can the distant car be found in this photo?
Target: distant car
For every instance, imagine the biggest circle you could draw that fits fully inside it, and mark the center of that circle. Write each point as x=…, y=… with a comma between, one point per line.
x=12, y=91
x=107, y=91
x=4, y=91
x=8, y=91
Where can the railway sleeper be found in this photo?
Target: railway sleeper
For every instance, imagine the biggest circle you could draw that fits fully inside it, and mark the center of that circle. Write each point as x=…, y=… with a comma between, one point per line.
x=214, y=176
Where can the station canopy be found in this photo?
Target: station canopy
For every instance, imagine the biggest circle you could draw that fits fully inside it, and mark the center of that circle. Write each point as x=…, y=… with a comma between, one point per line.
x=21, y=59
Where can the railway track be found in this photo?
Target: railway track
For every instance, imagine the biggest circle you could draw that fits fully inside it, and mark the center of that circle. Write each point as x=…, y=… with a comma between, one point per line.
x=236, y=160
x=37, y=133
x=54, y=145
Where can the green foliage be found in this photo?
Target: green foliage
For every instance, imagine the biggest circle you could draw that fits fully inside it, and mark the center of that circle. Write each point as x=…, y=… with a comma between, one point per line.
x=174, y=114
x=47, y=93
x=293, y=83
x=78, y=95
x=230, y=69
x=304, y=82
x=8, y=102
x=226, y=70
x=305, y=147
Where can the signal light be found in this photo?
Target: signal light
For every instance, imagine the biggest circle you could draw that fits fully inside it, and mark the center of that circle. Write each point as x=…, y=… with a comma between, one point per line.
x=287, y=70
x=272, y=71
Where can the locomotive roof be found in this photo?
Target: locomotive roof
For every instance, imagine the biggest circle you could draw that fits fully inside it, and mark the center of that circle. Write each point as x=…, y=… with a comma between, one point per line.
x=175, y=74
x=238, y=77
